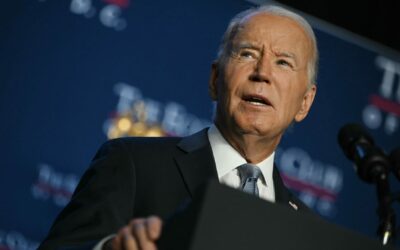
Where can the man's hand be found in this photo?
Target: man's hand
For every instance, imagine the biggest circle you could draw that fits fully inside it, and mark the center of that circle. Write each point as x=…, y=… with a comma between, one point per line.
x=139, y=234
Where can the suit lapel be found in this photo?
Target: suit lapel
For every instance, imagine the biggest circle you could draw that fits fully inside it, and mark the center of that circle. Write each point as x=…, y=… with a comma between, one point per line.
x=282, y=194
x=197, y=164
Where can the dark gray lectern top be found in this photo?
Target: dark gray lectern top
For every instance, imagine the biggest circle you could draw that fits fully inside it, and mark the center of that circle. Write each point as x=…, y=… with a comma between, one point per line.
x=222, y=218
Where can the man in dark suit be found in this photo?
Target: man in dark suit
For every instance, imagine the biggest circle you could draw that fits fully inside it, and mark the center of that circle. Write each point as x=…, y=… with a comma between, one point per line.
x=262, y=81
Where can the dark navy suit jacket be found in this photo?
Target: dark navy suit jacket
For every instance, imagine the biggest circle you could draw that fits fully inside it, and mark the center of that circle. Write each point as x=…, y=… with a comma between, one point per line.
x=137, y=177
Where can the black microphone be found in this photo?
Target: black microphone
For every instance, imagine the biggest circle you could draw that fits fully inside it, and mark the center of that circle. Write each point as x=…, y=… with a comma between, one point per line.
x=395, y=160
x=371, y=164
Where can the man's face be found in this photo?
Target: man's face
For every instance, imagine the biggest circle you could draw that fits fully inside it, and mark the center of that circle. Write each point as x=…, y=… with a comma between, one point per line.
x=263, y=85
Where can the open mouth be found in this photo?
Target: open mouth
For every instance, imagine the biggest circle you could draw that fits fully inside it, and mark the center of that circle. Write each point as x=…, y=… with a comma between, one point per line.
x=257, y=100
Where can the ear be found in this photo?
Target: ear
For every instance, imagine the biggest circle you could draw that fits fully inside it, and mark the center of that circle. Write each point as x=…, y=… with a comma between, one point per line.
x=308, y=100
x=212, y=83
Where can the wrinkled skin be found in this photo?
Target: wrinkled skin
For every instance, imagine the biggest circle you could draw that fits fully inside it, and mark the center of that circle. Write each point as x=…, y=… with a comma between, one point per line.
x=262, y=84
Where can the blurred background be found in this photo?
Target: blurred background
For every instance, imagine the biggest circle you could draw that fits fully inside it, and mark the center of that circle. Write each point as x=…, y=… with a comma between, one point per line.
x=76, y=73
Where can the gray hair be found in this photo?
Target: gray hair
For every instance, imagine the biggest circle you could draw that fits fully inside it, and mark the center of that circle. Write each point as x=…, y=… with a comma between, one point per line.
x=236, y=21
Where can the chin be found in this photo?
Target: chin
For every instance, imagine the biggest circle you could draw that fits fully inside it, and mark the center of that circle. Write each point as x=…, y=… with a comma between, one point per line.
x=254, y=127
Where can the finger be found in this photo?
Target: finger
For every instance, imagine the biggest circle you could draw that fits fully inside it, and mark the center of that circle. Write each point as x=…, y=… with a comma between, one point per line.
x=116, y=241
x=128, y=240
x=138, y=227
x=154, y=226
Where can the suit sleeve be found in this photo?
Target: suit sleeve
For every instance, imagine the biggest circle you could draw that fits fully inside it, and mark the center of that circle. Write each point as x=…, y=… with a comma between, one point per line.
x=102, y=203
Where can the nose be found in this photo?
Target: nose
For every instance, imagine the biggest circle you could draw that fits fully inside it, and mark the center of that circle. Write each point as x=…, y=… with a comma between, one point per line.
x=262, y=71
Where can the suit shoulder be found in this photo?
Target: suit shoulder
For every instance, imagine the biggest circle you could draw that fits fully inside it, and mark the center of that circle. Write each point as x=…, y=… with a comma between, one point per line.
x=137, y=144
x=143, y=141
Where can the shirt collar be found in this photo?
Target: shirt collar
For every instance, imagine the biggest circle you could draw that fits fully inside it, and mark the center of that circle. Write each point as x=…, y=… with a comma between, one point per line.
x=227, y=158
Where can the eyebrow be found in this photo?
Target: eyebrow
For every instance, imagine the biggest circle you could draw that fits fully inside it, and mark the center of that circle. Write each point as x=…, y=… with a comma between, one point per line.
x=247, y=45
x=287, y=55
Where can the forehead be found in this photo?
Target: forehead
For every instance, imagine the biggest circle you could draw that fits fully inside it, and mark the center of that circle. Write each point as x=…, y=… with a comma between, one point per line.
x=274, y=32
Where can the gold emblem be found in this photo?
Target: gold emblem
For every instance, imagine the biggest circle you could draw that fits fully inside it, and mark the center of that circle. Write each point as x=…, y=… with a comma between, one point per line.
x=133, y=122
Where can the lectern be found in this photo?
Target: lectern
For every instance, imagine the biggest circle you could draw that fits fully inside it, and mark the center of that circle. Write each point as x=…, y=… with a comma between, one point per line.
x=220, y=218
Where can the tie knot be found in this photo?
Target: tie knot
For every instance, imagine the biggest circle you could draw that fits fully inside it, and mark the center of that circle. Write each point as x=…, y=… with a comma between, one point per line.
x=249, y=175
x=249, y=171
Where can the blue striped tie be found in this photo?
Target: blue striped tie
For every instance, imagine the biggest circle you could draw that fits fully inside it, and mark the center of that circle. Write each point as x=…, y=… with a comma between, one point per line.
x=249, y=175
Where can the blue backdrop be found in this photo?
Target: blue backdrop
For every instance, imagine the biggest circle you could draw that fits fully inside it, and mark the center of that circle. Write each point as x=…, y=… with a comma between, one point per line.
x=74, y=73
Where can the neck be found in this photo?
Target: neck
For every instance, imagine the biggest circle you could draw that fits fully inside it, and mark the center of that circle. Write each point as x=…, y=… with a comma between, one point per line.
x=253, y=148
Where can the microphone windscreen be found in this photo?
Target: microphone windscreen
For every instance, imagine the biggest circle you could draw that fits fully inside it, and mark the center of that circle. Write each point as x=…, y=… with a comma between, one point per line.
x=394, y=158
x=349, y=135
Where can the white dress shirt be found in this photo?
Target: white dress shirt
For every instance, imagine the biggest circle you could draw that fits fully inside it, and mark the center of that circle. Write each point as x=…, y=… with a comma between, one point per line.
x=227, y=159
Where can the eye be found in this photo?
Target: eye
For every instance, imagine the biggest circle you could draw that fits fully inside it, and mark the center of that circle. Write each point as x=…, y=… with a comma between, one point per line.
x=248, y=54
x=284, y=63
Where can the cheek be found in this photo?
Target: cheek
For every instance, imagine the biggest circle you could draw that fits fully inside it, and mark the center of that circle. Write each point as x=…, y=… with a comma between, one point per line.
x=237, y=72
x=231, y=84
x=293, y=104
x=291, y=94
